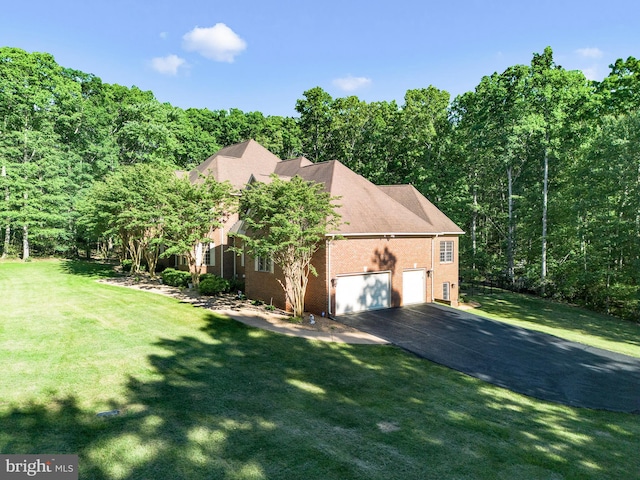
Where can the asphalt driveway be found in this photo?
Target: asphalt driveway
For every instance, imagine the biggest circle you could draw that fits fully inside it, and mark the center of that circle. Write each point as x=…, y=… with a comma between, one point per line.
x=524, y=361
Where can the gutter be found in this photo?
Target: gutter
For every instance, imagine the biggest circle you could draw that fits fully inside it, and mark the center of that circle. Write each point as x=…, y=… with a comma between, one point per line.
x=393, y=234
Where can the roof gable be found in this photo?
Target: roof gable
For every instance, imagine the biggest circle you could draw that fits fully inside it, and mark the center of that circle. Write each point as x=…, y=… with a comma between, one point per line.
x=237, y=163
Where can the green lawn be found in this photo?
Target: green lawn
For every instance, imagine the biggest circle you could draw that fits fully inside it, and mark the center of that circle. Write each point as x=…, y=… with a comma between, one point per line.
x=559, y=319
x=204, y=397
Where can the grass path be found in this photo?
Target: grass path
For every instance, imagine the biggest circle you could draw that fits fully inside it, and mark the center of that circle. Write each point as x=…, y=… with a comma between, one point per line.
x=205, y=397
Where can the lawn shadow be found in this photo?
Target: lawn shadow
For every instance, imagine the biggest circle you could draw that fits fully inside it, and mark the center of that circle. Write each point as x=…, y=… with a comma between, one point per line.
x=244, y=403
x=558, y=315
x=85, y=268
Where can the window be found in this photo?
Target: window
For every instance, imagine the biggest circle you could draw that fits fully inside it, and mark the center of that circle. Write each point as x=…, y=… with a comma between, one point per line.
x=446, y=251
x=209, y=254
x=445, y=291
x=264, y=264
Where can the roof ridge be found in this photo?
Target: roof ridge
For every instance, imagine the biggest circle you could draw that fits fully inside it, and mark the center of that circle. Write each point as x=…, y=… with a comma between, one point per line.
x=241, y=146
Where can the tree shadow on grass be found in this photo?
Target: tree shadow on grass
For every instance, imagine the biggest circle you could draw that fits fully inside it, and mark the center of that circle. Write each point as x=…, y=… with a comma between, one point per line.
x=96, y=269
x=244, y=403
x=558, y=315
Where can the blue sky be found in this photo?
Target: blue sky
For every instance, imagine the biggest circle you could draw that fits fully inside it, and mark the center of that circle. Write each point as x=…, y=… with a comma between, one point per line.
x=262, y=55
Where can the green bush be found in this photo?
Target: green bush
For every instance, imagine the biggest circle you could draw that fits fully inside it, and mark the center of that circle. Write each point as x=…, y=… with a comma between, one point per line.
x=236, y=285
x=212, y=285
x=126, y=265
x=175, y=278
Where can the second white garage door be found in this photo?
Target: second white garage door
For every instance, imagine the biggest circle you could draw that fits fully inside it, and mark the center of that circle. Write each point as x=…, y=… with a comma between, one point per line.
x=413, y=286
x=369, y=291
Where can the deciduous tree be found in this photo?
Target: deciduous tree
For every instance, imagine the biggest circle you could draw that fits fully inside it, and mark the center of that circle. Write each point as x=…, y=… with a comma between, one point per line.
x=286, y=221
x=194, y=211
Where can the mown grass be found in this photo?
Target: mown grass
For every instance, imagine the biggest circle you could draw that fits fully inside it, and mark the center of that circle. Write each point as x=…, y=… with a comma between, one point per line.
x=559, y=319
x=202, y=396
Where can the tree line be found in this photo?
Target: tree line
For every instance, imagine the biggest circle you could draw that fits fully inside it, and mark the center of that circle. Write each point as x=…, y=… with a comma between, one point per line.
x=540, y=166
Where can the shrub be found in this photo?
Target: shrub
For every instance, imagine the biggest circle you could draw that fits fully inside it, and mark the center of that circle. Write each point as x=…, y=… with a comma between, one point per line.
x=175, y=278
x=212, y=285
x=236, y=285
x=204, y=276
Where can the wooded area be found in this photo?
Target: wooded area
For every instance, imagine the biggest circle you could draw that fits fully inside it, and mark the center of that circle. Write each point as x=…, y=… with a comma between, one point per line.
x=540, y=166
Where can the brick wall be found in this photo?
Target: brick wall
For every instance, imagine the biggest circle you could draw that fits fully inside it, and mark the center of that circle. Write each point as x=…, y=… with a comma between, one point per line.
x=361, y=255
x=263, y=285
x=446, y=272
x=315, y=300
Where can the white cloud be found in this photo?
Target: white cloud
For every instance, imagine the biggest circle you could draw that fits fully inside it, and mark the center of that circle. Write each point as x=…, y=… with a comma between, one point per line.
x=168, y=65
x=218, y=43
x=590, y=52
x=163, y=35
x=350, y=83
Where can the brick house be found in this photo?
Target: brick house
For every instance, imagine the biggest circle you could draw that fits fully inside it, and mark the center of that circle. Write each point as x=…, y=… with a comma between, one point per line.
x=394, y=248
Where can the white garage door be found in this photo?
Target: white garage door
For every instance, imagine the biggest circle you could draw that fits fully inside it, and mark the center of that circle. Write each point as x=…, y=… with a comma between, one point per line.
x=369, y=291
x=413, y=287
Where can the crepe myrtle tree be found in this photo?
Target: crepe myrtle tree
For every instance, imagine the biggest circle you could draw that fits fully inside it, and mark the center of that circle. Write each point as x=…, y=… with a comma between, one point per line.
x=286, y=220
x=195, y=211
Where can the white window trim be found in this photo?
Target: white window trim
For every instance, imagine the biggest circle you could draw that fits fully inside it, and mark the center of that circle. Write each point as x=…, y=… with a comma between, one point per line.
x=209, y=252
x=257, y=262
x=446, y=251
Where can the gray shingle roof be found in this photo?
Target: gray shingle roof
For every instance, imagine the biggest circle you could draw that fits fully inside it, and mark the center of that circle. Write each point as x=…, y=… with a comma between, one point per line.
x=369, y=209
x=411, y=198
x=237, y=163
x=366, y=209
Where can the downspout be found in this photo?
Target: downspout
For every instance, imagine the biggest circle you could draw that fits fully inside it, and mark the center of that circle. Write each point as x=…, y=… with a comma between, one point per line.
x=433, y=265
x=221, y=252
x=329, y=312
x=235, y=260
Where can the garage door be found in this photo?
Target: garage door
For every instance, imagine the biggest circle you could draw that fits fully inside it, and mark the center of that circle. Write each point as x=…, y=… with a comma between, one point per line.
x=369, y=291
x=413, y=286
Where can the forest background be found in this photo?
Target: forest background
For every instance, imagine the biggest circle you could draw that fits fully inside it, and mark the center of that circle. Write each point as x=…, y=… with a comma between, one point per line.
x=539, y=166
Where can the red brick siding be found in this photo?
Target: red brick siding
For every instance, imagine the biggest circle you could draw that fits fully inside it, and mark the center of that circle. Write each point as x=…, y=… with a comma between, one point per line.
x=446, y=272
x=360, y=255
x=315, y=300
x=263, y=285
x=357, y=255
